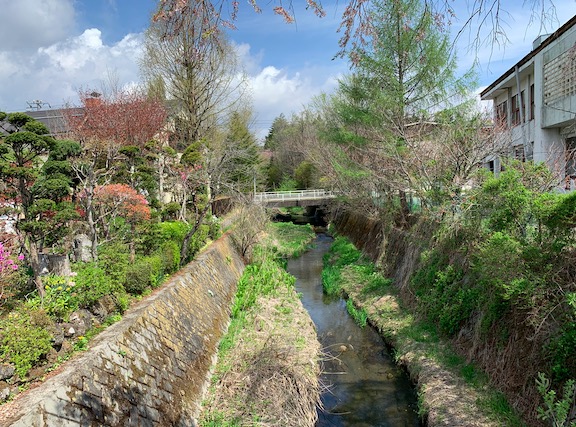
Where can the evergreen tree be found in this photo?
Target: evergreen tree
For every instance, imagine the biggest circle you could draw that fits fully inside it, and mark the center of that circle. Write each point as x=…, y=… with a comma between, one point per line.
x=245, y=155
x=407, y=70
x=378, y=117
x=39, y=191
x=279, y=125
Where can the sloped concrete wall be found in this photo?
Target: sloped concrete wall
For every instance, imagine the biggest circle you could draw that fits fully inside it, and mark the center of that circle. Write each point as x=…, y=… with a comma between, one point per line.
x=366, y=234
x=151, y=368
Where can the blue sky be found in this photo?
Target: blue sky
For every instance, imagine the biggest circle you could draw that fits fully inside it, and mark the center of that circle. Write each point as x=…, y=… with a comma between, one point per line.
x=53, y=48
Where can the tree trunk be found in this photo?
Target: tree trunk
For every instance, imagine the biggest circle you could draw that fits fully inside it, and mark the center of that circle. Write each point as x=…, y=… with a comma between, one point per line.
x=92, y=222
x=131, y=244
x=186, y=242
x=404, y=208
x=161, y=163
x=34, y=259
x=59, y=265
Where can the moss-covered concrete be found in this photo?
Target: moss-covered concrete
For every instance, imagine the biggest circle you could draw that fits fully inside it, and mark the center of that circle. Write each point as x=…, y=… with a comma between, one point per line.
x=151, y=368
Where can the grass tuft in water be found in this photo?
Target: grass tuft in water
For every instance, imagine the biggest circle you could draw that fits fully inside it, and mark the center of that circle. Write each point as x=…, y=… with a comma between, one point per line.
x=358, y=314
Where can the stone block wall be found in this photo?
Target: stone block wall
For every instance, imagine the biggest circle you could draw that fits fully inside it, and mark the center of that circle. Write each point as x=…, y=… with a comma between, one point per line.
x=149, y=369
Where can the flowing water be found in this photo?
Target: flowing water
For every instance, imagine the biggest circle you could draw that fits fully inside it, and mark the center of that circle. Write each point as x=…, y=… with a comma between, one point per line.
x=365, y=387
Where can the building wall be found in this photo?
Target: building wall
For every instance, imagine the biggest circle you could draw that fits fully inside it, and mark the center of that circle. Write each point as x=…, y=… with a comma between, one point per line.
x=151, y=368
x=559, y=81
x=553, y=73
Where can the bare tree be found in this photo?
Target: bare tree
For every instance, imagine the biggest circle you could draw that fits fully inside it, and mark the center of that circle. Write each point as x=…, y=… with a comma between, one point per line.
x=103, y=125
x=201, y=75
x=355, y=21
x=250, y=223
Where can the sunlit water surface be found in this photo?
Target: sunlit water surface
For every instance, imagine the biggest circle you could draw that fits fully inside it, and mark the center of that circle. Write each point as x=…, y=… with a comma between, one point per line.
x=365, y=387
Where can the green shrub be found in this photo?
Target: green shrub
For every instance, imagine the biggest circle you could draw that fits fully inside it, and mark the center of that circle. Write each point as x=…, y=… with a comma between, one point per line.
x=170, y=254
x=156, y=234
x=146, y=272
x=288, y=184
x=122, y=301
x=25, y=338
x=92, y=283
x=170, y=211
x=114, y=259
x=562, y=349
x=197, y=241
x=443, y=296
x=556, y=409
x=172, y=231
x=214, y=225
x=60, y=298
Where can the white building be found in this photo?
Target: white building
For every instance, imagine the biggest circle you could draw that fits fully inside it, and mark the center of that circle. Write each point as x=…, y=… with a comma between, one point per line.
x=535, y=104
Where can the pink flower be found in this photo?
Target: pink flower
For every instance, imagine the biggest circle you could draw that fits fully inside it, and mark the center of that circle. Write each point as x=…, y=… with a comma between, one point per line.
x=21, y=257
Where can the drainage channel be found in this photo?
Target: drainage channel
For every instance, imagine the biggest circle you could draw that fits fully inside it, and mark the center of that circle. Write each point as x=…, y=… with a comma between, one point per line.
x=364, y=386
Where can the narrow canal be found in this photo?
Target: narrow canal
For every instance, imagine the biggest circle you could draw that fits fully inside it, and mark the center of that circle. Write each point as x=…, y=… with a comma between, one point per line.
x=365, y=387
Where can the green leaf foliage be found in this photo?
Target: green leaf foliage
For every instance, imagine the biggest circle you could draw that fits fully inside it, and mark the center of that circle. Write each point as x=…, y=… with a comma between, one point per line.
x=18, y=120
x=24, y=339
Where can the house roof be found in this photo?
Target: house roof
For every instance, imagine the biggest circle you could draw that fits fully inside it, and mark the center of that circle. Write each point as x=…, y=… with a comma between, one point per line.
x=550, y=39
x=55, y=119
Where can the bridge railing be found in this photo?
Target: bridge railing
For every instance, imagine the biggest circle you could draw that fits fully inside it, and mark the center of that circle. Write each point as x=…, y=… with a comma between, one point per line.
x=280, y=196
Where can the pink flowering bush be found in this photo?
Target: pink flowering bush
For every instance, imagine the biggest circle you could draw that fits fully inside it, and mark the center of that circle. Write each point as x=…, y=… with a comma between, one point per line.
x=9, y=278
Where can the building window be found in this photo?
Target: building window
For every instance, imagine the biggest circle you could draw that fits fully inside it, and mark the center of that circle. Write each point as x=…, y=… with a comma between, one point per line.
x=490, y=165
x=502, y=114
x=569, y=72
x=516, y=116
x=523, y=111
x=532, y=103
x=570, y=165
x=518, y=152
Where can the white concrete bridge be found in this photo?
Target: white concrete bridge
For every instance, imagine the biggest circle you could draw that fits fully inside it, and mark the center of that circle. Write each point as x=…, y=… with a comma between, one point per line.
x=294, y=198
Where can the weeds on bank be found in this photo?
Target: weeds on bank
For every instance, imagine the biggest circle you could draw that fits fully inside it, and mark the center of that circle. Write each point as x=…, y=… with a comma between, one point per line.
x=358, y=314
x=265, y=277
x=342, y=253
x=289, y=240
x=266, y=273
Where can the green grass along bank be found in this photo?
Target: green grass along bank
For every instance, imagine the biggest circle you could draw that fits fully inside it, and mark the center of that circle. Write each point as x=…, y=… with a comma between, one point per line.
x=267, y=372
x=466, y=361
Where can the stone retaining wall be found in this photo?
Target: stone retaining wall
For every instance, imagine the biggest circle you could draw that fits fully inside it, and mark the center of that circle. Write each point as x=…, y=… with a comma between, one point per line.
x=151, y=368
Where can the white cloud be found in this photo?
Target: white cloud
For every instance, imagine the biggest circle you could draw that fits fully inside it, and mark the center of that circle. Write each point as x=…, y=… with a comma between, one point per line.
x=274, y=92
x=75, y=53
x=55, y=73
x=29, y=24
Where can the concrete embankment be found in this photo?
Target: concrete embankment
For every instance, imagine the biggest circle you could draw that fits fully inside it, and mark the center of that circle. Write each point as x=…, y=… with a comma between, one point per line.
x=149, y=369
x=445, y=398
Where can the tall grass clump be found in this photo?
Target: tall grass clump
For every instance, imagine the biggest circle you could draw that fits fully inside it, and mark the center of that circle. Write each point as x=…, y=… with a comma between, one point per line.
x=342, y=253
x=266, y=274
x=291, y=240
x=359, y=315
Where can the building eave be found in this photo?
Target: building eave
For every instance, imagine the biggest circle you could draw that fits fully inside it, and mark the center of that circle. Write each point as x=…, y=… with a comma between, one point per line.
x=488, y=93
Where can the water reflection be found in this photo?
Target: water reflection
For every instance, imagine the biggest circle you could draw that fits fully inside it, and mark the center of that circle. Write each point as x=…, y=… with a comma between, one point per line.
x=366, y=388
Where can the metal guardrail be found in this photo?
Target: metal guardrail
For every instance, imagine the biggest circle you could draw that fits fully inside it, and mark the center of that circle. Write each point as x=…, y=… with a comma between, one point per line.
x=281, y=196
